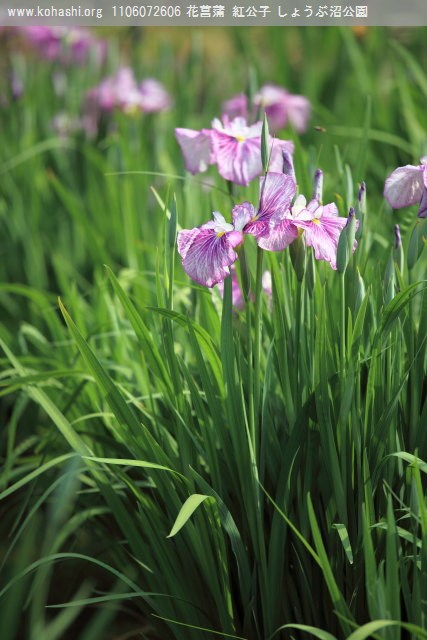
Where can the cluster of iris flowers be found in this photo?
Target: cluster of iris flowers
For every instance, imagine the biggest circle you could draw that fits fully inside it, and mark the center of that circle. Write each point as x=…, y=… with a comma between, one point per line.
x=281, y=216
x=66, y=45
x=208, y=251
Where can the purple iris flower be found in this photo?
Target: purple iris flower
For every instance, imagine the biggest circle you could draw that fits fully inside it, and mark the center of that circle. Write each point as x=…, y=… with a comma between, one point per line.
x=234, y=146
x=208, y=251
x=407, y=186
x=275, y=196
x=322, y=228
x=121, y=92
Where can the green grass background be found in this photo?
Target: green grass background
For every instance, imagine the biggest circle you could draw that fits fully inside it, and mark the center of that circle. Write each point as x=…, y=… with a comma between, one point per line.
x=304, y=452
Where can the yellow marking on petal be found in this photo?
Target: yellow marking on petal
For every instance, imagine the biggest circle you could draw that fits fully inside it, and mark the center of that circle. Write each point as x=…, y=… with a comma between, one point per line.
x=316, y=221
x=240, y=138
x=220, y=234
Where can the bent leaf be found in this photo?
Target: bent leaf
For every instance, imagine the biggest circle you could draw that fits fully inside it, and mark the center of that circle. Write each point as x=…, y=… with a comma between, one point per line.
x=186, y=511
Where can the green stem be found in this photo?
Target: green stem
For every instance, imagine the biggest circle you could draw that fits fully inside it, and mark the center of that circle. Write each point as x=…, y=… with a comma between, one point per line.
x=257, y=343
x=251, y=404
x=343, y=329
x=298, y=316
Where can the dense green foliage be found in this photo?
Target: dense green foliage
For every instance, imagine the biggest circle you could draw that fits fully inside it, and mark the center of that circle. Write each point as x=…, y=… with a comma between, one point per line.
x=173, y=468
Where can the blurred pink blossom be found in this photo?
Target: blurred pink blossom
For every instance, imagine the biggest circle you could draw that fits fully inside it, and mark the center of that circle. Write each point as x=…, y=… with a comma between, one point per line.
x=281, y=107
x=121, y=92
x=74, y=45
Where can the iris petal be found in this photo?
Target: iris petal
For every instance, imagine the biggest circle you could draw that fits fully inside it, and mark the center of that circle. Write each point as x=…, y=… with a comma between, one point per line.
x=206, y=255
x=196, y=147
x=404, y=187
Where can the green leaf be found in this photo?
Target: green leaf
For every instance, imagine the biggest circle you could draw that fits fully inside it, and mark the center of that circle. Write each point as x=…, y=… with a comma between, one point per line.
x=343, y=534
x=265, y=146
x=318, y=633
x=398, y=305
x=368, y=629
x=413, y=460
x=142, y=464
x=188, y=508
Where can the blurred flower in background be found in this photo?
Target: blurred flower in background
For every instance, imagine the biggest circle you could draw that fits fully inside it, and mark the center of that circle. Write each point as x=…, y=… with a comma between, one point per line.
x=66, y=45
x=122, y=92
x=282, y=108
x=237, y=298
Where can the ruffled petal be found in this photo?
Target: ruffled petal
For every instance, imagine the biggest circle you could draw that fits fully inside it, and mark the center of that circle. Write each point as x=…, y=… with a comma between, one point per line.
x=225, y=151
x=196, y=147
x=404, y=186
x=422, y=212
x=323, y=234
x=277, y=164
x=276, y=192
x=207, y=255
x=250, y=160
x=242, y=214
x=279, y=236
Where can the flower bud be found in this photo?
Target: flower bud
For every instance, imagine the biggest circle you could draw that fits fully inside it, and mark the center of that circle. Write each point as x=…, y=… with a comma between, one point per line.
x=318, y=186
x=288, y=165
x=359, y=292
x=398, y=248
x=389, y=280
x=265, y=144
x=360, y=209
x=422, y=211
x=346, y=242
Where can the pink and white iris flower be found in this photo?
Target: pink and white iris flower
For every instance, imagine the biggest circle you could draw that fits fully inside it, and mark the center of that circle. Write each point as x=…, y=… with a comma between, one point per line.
x=407, y=186
x=322, y=228
x=233, y=145
x=208, y=251
x=275, y=195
